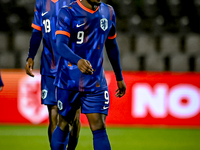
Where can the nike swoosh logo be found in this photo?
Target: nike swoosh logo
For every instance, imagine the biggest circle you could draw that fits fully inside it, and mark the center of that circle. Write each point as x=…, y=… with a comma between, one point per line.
x=104, y=107
x=44, y=13
x=79, y=25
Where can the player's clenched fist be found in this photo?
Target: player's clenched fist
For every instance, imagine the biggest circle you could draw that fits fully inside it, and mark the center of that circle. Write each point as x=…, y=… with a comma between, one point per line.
x=29, y=67
x=85, y=66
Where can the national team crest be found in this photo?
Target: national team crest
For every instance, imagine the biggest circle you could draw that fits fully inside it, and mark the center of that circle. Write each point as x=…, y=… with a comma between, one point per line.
x=44, y=94
x=104, y=24
x=29, y=99
x=60, y=105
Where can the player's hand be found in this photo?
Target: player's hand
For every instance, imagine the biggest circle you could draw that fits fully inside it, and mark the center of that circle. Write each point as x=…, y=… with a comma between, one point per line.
x=29, y=67
x=85, y=66
x=121, y=89
x=1, y=87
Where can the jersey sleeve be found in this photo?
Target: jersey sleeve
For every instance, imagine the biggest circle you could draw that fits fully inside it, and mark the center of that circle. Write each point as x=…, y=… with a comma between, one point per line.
x=63, y=22
x=34, y=43
x=63, y=28
x=112, y=34
x=1, y=82
x=112, y=48
x=36, y=24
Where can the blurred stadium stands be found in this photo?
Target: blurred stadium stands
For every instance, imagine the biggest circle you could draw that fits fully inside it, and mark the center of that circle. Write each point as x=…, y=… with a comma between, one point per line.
x=153, y=35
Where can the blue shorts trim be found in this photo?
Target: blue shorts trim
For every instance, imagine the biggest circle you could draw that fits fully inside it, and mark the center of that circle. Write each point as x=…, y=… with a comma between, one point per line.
x=48, y=90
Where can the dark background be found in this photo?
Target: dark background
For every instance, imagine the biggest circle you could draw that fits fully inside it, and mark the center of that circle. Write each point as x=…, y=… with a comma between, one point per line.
x=153, y=35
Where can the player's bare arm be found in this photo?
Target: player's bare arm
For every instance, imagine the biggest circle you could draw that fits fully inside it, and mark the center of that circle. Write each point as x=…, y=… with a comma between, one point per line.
x=29, y=67
x=121, y=89
x=85, y=66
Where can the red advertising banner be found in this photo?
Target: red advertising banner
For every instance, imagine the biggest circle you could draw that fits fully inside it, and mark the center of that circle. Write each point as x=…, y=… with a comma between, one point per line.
x=152, y=98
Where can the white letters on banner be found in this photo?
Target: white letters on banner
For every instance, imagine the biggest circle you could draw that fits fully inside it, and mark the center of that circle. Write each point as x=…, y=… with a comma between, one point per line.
x=181, y=101
x=145, y=99
x=190, y=94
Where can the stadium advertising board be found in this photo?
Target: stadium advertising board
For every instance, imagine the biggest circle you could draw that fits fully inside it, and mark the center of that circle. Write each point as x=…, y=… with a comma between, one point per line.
x=152, y=98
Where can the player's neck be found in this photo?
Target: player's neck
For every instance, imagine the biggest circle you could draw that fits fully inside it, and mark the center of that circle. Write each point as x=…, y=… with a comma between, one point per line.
x=86, y=4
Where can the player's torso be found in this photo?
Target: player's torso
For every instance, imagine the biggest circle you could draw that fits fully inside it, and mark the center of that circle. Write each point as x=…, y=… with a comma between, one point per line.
x=89, y=31
x=48, y=11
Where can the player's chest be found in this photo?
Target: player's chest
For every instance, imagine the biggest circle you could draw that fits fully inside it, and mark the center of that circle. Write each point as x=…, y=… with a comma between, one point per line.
x=92, y=23
x=48, y=13
x=49, y=16
x=50, y=8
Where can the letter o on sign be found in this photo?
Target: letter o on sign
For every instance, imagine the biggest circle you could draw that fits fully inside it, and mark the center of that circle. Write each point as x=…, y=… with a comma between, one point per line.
x=177, y=94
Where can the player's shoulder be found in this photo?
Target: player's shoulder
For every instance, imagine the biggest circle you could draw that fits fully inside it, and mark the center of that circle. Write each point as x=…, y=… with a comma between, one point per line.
x=41, y=3
x=68, y=8
x=107, y=6
x=38, y=2
x=108, y=9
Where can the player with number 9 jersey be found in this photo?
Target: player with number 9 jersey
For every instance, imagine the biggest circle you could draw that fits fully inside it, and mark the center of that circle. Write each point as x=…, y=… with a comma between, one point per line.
x=83, y=28
x=86, y=32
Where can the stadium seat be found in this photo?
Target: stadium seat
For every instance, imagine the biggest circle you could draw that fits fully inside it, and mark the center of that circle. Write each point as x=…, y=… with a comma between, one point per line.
x=4, y=42
x=158, y=25
x=7, y=60
x=123, y=42
x=150, y=8
x=127, y=8
x=145, y=44
x=21, y=41
x=174, y=7
x=179, y=62
x=192, y=44
x=170, y=44
x=134, y=24
x=154, y=62
x=129, y=61
x=184, y=25
x=197, y=6
x=106, y=62
x=197, y=64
